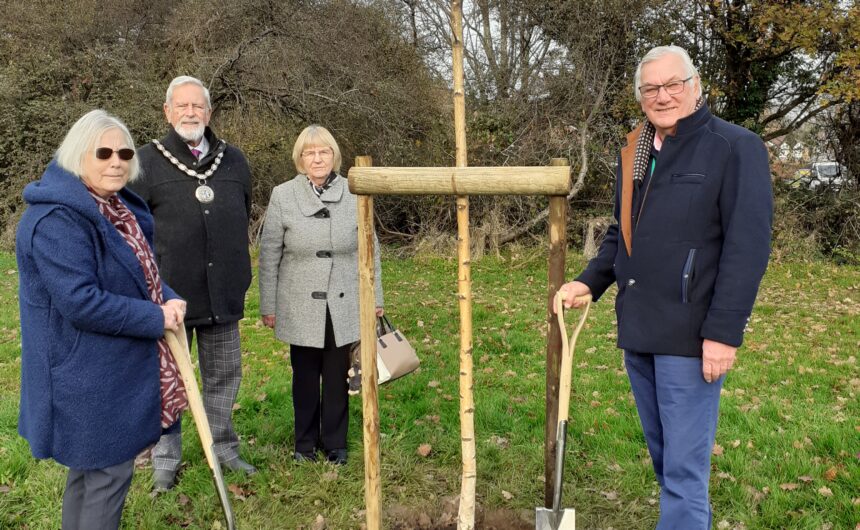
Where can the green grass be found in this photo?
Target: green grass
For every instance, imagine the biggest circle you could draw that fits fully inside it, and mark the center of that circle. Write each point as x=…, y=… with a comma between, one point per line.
x=789, y=433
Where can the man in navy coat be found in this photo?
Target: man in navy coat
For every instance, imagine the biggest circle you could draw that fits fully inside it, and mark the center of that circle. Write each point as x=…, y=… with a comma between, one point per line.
x=694, y=210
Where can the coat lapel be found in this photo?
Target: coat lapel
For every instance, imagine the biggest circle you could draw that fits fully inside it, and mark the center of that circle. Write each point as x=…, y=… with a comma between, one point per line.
x=309, y=203
x=627, y=154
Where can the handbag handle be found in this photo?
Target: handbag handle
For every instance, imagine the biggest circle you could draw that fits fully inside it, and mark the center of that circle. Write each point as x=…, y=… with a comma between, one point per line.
x=383, y=326
x=567, y=347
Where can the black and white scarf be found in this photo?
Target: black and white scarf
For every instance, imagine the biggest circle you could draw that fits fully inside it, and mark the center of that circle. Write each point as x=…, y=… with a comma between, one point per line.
x=318, y=190
x=643, y=147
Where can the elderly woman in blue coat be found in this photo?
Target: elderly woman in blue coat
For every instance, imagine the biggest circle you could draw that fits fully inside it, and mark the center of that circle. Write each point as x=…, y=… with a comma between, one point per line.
x=309, y=290
x=98, y=383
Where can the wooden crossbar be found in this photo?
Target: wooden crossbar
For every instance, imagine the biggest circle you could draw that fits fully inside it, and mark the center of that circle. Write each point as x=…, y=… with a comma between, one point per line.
x=539, y=180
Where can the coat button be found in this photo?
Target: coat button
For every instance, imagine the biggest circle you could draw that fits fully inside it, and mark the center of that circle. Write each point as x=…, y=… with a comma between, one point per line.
x=323, y=254
x=341, y=295
x=210, y=263
x=206, y=212
x=631, y=282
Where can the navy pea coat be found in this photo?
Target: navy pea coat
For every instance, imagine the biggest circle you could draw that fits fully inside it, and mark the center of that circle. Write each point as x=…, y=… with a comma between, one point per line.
x=698, y=248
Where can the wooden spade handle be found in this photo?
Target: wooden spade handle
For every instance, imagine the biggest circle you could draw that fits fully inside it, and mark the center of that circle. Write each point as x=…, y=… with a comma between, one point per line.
x=178, y=343
x=567, y=347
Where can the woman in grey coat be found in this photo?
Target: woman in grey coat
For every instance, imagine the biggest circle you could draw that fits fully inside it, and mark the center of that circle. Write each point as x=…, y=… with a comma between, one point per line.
x=309, y=289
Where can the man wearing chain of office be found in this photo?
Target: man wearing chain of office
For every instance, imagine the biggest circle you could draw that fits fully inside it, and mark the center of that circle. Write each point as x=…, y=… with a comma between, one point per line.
x=199, y=190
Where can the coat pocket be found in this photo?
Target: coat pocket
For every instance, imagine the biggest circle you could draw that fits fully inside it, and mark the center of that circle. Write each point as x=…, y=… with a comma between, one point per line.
x=687, y=275
x=688, y=178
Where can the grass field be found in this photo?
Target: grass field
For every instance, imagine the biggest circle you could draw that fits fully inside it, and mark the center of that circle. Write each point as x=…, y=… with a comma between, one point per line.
x=788, y=444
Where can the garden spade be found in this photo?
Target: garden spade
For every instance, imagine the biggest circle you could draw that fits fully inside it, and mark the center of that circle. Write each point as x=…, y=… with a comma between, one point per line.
x=178, y=344
x=556, y=518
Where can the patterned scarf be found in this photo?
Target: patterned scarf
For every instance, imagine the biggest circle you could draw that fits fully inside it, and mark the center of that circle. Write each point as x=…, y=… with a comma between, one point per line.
x=643, y=147
x=329, y=180
x=173, y=397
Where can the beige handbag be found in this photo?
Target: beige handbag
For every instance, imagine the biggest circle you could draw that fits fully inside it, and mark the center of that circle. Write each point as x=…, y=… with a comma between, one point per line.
x=395, y=357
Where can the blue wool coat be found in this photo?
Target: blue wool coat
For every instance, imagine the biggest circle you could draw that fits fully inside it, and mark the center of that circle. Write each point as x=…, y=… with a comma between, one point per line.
x=700, y=245
x=90, y=391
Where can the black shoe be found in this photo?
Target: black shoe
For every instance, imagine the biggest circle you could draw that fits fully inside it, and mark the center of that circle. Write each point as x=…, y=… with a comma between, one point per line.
x=237, y=464
x=336, y=456
x=304, y=457
x=163, y=480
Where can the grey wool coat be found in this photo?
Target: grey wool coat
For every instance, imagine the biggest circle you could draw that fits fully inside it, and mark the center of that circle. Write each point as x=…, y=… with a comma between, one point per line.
x=309, y=259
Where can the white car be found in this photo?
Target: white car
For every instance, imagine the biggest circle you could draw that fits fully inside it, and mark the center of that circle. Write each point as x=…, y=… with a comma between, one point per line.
x=824, y=175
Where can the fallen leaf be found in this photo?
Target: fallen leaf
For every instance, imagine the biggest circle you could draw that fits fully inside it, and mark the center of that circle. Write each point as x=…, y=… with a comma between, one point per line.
x=499, y=441
x=805, y=478
x=236, y=406
x=5, y=489
x=319, y=523
x=237, y=491
x=609, y=495
x=717, y=450
x=825, y=491
x=507, y=495
x=330, y=475
x=788, y=486
x=830, y=474
x=433, y=384
x=424, y=449
x=183, y=499
x=722, y=525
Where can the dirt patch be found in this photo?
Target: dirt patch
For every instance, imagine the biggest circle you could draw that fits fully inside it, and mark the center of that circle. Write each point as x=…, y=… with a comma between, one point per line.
x=444, y=517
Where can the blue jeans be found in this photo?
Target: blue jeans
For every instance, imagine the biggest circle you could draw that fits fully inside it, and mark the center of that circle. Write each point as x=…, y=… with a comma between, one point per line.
x=678, y=410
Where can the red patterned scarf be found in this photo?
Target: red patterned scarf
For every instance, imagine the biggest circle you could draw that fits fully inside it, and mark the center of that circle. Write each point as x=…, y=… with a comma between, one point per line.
x=173, y=397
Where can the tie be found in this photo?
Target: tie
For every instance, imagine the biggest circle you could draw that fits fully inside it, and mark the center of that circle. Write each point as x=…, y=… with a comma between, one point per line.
x=196, y=152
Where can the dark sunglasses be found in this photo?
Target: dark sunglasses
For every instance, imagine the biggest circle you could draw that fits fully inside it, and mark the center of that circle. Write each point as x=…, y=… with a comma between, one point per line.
x=104, y=153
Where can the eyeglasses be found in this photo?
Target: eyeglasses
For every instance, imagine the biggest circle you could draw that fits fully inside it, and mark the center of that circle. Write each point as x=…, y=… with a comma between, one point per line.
x=322, y=153
x=104, y=153
x=672, y=88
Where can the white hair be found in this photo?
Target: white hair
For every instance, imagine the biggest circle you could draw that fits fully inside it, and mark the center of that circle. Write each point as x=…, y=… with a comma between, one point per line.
x=659, y=52
x=84, y=135
x=186, y=80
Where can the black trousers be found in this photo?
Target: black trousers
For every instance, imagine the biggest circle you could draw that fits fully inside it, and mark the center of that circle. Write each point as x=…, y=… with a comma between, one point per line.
x=94, y=498
x=322, y=418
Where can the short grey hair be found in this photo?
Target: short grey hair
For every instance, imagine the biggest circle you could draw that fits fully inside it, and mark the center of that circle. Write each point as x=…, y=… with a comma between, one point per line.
x=83, y=137
x=186, y=80
x=659, y=52
x=315, y=135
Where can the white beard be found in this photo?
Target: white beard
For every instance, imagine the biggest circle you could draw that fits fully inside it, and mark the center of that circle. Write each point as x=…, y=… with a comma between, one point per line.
x=191, y=133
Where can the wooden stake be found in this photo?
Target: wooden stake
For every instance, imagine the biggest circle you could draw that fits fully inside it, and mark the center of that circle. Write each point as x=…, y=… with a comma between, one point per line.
x=466, y=516
x=369, y=396
x=557, y=253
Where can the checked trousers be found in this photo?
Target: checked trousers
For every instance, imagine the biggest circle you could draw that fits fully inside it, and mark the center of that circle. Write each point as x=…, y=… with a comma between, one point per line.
x=220, y=354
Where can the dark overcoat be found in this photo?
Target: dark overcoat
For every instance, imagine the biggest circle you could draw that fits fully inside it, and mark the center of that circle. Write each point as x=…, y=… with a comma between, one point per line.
x=699, y=246
x=201, y=248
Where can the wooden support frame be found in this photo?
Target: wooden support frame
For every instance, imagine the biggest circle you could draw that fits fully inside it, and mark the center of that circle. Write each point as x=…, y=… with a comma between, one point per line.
x=379, y=181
